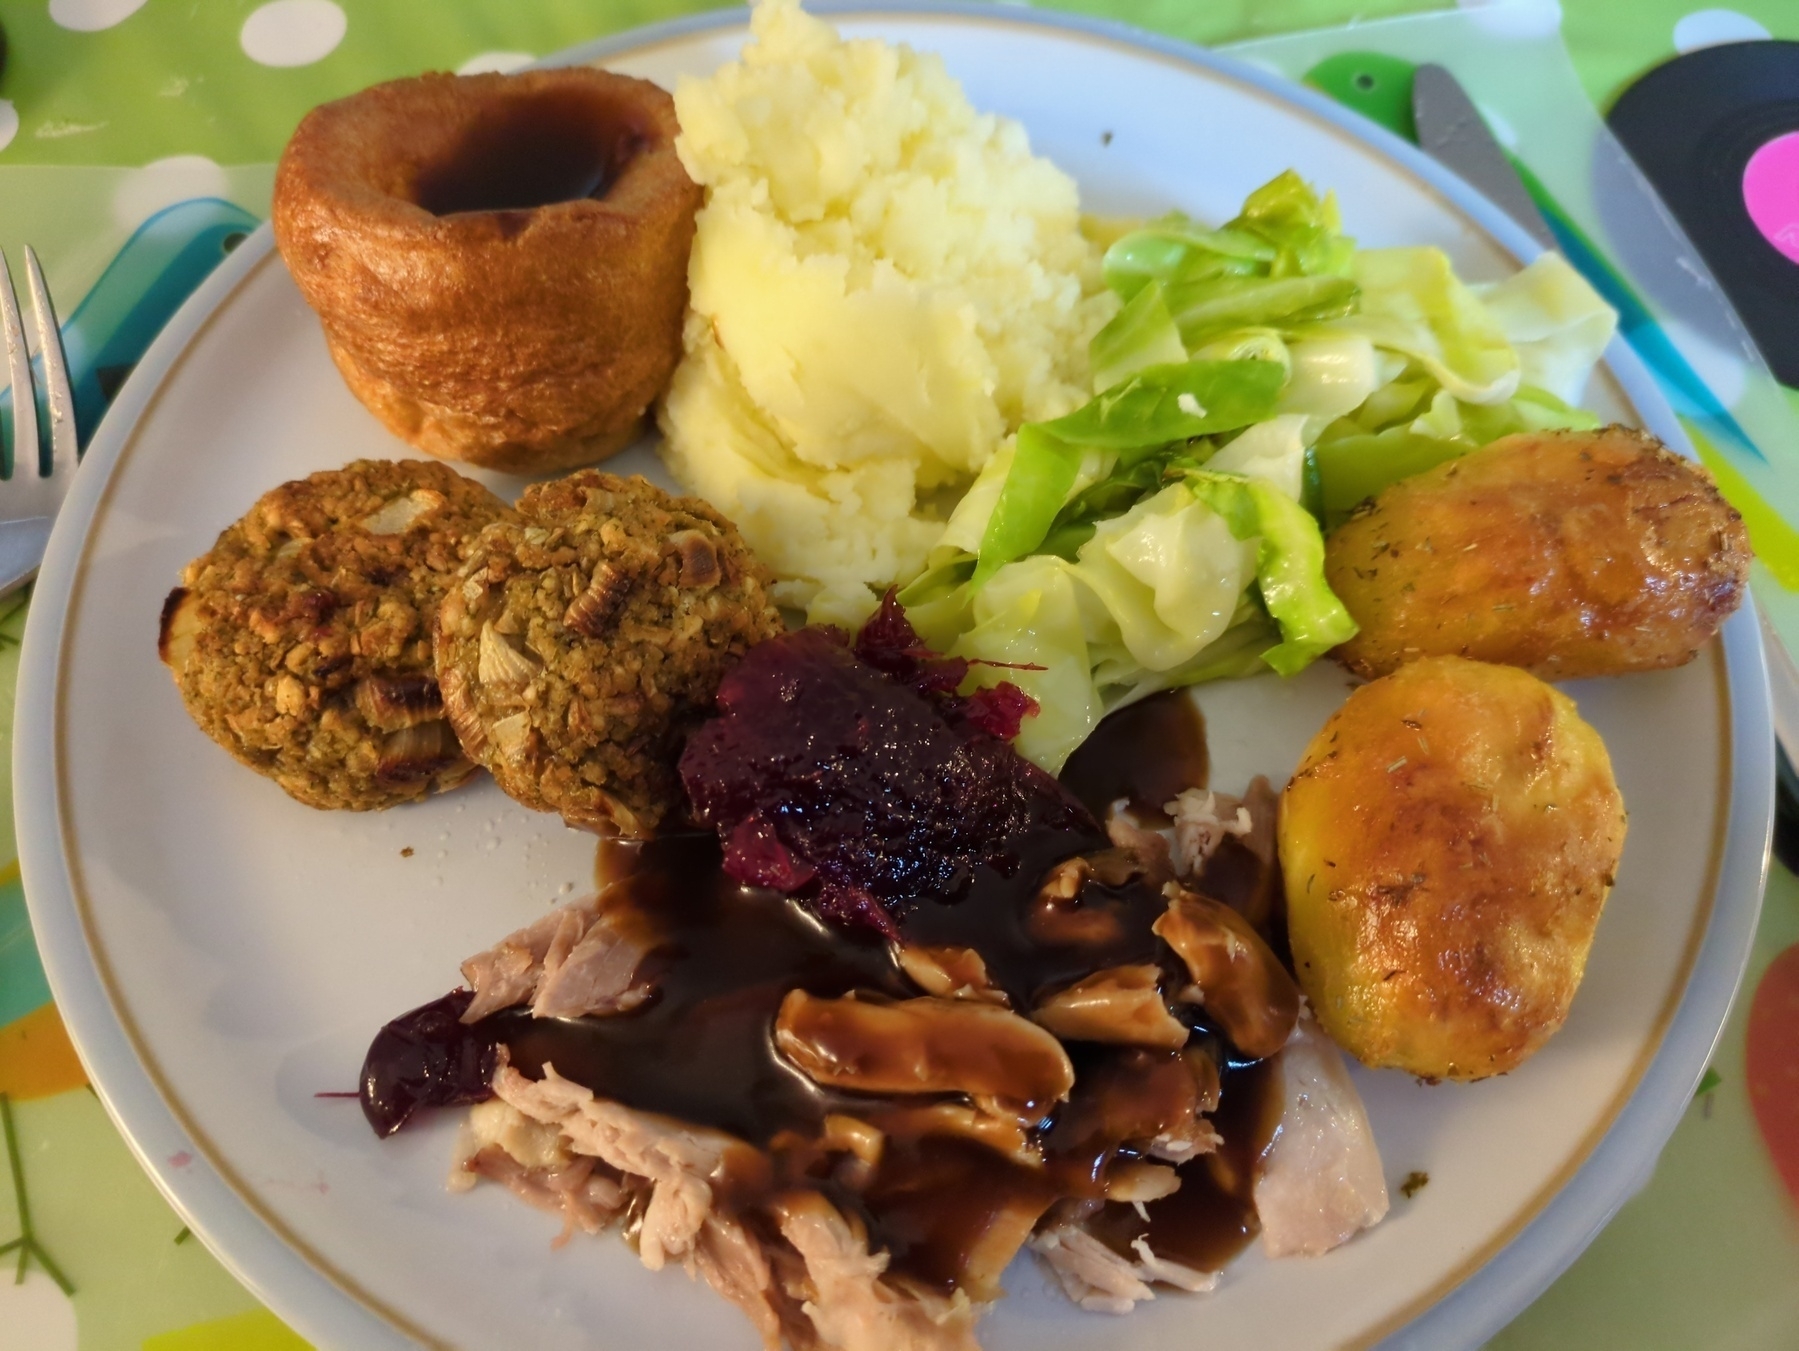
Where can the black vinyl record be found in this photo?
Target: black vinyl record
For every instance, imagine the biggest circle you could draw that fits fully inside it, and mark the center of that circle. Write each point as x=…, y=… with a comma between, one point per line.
x=1717, y=132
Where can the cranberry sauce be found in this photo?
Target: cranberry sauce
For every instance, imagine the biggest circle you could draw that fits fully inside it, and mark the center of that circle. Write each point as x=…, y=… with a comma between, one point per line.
x=551, y=146
x=890, y=644
x=427, y=1058
x=867, y=789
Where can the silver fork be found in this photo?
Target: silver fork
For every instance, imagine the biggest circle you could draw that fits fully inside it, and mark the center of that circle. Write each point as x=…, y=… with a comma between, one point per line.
x=30, y=497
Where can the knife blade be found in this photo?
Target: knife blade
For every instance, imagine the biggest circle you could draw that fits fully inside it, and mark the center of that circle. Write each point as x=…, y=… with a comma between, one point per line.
x=1452, y=132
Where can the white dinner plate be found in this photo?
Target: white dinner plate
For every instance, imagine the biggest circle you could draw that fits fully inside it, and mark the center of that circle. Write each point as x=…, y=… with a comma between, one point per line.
x=222, y=954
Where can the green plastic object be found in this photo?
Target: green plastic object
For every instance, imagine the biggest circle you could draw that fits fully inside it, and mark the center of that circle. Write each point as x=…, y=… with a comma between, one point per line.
x=1376, y=86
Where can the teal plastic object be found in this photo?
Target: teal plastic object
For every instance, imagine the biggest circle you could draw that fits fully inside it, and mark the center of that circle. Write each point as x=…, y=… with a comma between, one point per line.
x=22, y=984
x=161, y=265
x=158, y=268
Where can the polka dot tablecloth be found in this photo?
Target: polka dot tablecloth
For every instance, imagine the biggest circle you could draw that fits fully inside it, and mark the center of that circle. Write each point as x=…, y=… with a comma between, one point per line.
x=111, y=110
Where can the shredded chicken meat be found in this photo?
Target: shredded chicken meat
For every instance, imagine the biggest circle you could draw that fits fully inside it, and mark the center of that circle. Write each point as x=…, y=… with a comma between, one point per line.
x=578, y=959
x=956, y=1065
x=815, y=1286
x=1200, y=820
x=846, y=1298
x=1321, y=1181
x=681, y=1163
x=1103, y=1281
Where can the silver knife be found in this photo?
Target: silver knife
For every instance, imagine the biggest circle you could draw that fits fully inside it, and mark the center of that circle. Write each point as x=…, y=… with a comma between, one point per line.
x=21, y=550
x=1452, y=132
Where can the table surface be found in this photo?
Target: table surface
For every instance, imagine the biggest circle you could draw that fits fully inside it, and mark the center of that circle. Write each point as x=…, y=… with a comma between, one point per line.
x=110, y=109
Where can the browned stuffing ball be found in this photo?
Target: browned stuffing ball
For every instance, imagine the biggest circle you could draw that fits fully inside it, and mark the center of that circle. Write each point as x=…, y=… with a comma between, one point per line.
x=589, y=636
x=301, y=642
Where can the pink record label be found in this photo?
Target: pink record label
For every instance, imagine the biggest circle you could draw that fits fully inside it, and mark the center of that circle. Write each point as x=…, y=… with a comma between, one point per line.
x=1771, y=192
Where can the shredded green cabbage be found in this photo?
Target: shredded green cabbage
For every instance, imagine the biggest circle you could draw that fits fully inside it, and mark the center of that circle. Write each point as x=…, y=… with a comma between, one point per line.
x=1289, y=566
x=1260, y=381
x=1158, y=406
x=1414, y=304
x=1140, y=335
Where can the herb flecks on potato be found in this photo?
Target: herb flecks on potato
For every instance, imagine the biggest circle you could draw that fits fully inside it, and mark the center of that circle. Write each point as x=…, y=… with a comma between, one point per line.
x=1569, y=553
x=1447, y=844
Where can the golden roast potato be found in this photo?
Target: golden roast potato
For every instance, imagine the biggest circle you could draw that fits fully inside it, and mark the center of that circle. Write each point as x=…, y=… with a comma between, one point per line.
x=1567, y=553
x=1447, y=844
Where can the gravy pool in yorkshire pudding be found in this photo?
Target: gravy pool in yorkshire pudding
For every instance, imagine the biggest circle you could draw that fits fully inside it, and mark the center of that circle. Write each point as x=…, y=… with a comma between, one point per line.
x=499, y=261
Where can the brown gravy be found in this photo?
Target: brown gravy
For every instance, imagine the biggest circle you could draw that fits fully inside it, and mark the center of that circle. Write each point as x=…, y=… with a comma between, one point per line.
x=1212, y=1217
x=702, y=1049
x=931, y=1206
x=530, y=152
x=992, y=919
x=1145, y=753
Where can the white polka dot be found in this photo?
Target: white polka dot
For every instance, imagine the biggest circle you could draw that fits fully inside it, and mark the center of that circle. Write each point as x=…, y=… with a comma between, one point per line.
x=1519, y=19
x=36, y=1313
x=90, y=16
x=1709, y=27
x=180, y=178
x=9, y=123
x=495, y=63
x=292, y=32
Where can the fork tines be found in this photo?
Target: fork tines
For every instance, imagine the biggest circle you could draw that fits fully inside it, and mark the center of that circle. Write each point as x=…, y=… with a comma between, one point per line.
x=54, y=375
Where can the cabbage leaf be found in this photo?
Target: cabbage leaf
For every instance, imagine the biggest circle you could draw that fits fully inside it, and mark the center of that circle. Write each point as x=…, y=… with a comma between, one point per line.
x=1140, y=335
x=1285, y=231
x=1156, y=407
x=1289, y=566
x=1259, y=379
x=1413, y=303
x=1214, y=574
x=1137, y=609
x=1352, y=469
x=1203, y=310
x=1558, y=324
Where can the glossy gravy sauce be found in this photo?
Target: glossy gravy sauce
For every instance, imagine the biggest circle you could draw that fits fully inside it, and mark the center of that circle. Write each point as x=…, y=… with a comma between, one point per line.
x=702, y=1048
x=1146, y=754
x=1212, y=1217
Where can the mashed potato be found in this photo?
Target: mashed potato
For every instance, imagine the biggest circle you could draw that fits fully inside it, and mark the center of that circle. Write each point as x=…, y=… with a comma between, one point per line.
x=884, y=285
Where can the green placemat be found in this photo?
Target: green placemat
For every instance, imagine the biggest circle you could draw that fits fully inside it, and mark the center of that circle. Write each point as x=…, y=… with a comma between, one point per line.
x=113, y=109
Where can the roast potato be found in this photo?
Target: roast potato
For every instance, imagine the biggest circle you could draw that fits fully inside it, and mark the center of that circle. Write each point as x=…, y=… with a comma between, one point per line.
x=1447, y=844
x=1567, y=553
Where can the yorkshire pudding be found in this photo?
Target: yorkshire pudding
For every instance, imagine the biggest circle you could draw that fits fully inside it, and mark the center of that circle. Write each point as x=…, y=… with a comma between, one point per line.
x=499, y=261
